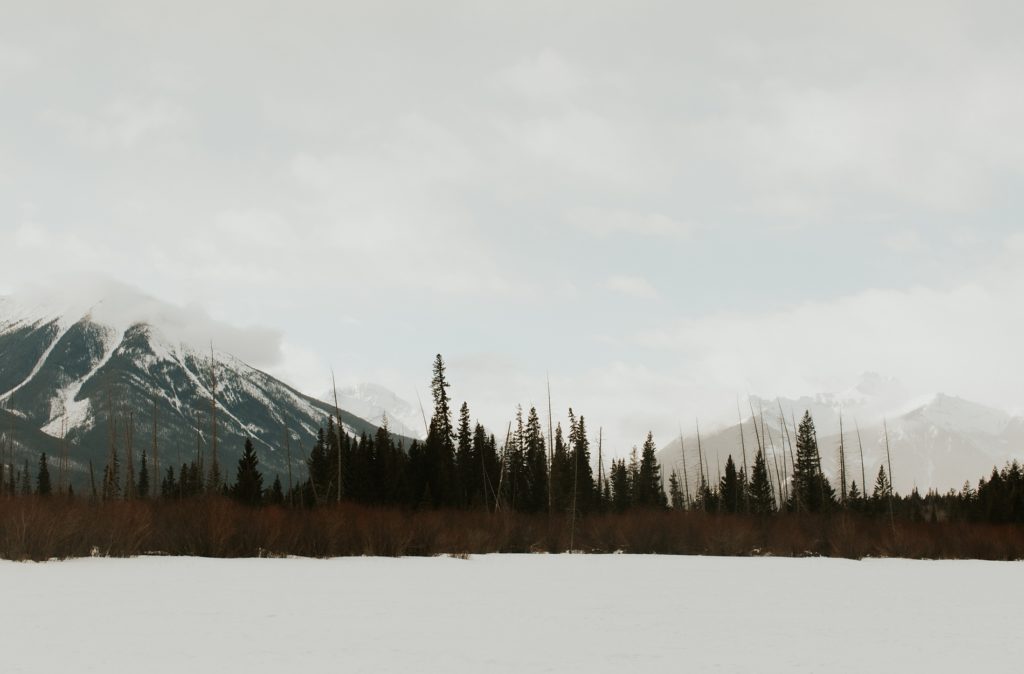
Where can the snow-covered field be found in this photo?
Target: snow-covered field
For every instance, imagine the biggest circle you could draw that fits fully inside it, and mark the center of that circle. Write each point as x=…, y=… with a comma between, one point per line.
x=510, y=613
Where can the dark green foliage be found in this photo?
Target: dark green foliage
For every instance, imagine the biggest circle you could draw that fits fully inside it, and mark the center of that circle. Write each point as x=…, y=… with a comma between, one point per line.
x=561, y=473
x=536, y=464
x=43, y=477
x=169, y=486
x=675, y=492
x=883, y=488
x=811, y=490
x=579, y=458
x=143, y=486
x=762, y=502
x=730, y=489
x=647, y=492
x=276, y=494
x=248, y=487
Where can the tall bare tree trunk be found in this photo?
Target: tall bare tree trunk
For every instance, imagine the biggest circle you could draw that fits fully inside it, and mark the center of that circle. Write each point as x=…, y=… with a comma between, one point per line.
x=337, y=415
x=746, y=469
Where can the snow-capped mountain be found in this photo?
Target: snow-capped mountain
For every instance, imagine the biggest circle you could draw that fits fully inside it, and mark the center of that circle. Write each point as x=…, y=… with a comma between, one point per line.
x=91, y=374
x=937, y=443
x=375, y=403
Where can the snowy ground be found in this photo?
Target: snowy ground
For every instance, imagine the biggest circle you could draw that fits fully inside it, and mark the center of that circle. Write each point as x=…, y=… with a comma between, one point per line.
x=509, y=613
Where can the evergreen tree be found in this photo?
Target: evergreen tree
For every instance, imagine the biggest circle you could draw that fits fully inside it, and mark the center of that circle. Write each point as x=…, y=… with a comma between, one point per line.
x=276, y=495
x=169, y=486
x=319, y=468
x=561, y=473
x=466, y=468
x=583, y=474
x=249, y=482
x=143, y=490
x=112, y=476
x=43, y=478
x=729, y=490
x=675, y=491
x=26, y=483
x=811, y=490
x=648, y=490
x=439, y=451
x=619, y=480
x=515, y=486
x=762, y=502
x=883, y=488
x=535, y=455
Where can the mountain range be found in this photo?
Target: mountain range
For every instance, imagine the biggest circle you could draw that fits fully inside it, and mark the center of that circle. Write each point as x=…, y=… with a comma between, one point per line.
x=934, y=443
x=75, y=379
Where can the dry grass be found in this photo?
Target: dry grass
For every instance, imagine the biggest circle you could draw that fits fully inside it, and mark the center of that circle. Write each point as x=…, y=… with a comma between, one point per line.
x=47, y=528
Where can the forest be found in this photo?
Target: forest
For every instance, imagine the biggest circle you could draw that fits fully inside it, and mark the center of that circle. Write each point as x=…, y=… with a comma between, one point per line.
x=462, y=491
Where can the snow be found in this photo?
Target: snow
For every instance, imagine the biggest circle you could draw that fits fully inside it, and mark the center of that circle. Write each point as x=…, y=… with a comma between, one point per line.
x=68, y=411
x=510, y=613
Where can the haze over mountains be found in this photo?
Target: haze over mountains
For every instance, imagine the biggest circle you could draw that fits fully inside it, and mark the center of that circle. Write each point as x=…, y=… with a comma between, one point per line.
x=89, y=374
x=937, y=442
x=68, y=370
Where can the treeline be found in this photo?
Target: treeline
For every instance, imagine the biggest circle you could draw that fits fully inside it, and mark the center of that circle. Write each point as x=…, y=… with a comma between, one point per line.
x=461, y=466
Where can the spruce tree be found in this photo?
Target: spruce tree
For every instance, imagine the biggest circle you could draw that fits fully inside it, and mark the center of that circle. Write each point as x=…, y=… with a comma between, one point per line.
x=465, y=467
x=762, y=502
x=276, y=496
x=26, y=482
x=675, y=491
x=143, y=490
x=648, y=490
x=811, y=490
x=43, y=478
x=729, y=490
x=583, y=475
x=561, y=473
x=248, y=487
x=882, y=486
x=535, y=457
x=439, y=452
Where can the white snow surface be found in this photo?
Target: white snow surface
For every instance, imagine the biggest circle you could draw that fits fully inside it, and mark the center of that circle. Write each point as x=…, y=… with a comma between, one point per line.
x=511, y=613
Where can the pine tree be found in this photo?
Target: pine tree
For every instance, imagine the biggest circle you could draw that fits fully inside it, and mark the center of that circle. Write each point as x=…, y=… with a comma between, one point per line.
x=762, y=502
x=319, y=468
x=43, y=478
x=249, y=482
x=276, y=496
x=882, y=486
x=561, y=473
x=465, y=467
x=583, y=474
x=811, y=490
x=620, y=486
x=439, y=451
x=535, y=456
x=169, y=486
x=26, y=483
x=675, y=491
x=143, y=491
x=648, y=490
x=729, y=490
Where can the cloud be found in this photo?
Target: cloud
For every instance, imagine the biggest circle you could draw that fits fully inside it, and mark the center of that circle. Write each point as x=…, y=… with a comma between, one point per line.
x=631, y=286
x=121, y=124
x=121, y=305
x=544, y=77
x=606, y=223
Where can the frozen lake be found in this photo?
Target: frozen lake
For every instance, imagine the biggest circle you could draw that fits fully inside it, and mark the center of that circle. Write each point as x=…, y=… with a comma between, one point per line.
x=511, y=613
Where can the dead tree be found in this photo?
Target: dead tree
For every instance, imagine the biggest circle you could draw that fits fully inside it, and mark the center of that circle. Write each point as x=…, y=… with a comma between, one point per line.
x=746, y=469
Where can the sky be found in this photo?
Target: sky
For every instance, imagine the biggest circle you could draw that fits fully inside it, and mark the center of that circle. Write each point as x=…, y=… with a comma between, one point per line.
x=661, y=206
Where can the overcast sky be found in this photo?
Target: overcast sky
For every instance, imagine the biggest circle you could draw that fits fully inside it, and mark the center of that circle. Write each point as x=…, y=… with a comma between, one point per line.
x=663, y=205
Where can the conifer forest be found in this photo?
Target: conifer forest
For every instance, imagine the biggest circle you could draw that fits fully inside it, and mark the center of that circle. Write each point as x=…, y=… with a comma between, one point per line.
x=463, y=489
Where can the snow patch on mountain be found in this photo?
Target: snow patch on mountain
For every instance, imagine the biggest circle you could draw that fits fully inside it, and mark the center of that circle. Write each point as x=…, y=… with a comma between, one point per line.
x=374, y=403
